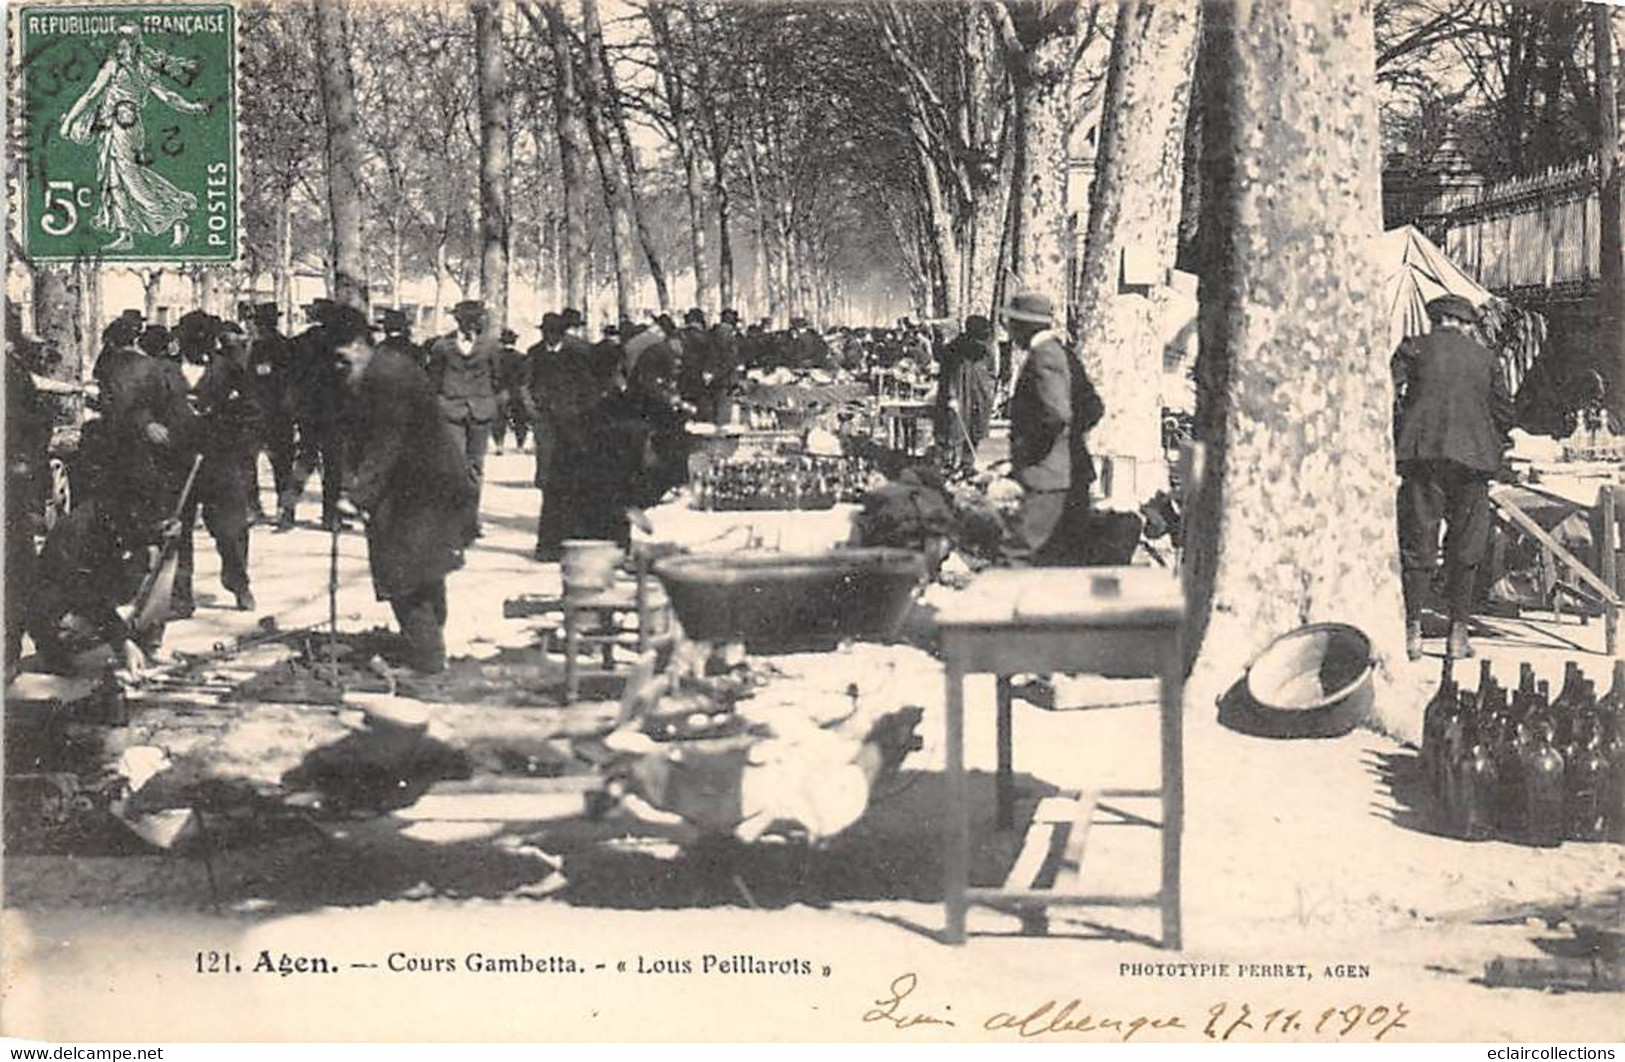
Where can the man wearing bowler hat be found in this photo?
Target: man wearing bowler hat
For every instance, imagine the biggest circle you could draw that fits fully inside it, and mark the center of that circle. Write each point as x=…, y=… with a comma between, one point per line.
x=1452, y=424
x=1052, y=408
x=411, y=483
x=463, y=368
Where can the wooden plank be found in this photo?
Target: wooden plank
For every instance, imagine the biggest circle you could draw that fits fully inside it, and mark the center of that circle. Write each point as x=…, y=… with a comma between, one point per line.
x=1070, y=878
x=1026, y=872
x=1055, y=898
x=495, y=807
x=1527, y=525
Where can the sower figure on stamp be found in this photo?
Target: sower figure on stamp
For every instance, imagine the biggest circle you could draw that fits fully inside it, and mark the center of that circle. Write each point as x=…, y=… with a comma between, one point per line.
x=1452, y=425
x=463, y=369
x=415, y=490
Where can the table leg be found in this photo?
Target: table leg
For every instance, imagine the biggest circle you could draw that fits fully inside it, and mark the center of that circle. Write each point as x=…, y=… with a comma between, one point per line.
x=1004, y=780
x=572, y=646
x=956, y=834
x=1173, y=788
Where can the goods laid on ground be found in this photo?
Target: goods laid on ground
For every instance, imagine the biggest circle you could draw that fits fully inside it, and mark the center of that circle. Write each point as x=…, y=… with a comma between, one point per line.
x=1522, y=765
x=786, y=481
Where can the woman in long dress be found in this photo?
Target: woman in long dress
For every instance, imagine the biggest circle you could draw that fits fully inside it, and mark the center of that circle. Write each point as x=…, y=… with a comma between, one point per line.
x=134, y=198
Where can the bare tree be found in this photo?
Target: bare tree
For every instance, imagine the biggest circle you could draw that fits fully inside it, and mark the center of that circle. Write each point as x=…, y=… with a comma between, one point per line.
x=343, y=153
x=1133, y=226
x=495, y=153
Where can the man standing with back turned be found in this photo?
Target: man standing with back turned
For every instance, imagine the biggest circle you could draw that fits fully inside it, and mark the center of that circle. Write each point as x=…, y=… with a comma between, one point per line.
x=1454, y=416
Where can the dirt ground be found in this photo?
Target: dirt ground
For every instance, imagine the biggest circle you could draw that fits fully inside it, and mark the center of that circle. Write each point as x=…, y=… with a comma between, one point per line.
x=1295, y=852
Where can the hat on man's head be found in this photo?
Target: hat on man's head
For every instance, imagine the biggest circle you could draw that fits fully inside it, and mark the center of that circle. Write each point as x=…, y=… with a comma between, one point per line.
x=347, y=324
x=467, y=308
x=265, y=312
x=319, y=310
x=1032, y=306
x=393, y=320
x=154, y=340
x=729, y=316
x=572, y=317
x=694, y=316
x=978, y=327
x=508, y=337
x=553, y=324
x=1453, y=306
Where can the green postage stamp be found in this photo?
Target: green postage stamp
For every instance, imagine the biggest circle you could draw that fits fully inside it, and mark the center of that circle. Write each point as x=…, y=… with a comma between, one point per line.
x=130, y=119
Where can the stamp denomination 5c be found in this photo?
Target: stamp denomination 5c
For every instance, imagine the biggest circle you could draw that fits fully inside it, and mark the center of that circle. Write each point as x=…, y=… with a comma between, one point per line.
x=130, y=118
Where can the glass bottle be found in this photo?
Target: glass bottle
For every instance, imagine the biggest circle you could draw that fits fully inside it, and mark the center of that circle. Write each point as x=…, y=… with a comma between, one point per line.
x=1434, y=716
x=1543, y=789
x=1475, y=781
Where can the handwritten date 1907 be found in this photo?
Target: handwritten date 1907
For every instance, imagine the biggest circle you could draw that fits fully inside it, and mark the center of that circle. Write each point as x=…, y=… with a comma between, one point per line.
x=1225, y=1021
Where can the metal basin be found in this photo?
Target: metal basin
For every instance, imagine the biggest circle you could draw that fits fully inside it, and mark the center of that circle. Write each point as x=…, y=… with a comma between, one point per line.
x=769, y=599
x=1312, y=682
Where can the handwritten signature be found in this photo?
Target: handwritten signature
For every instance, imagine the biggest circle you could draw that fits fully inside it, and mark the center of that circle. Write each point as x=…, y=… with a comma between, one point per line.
x=1051, y=1018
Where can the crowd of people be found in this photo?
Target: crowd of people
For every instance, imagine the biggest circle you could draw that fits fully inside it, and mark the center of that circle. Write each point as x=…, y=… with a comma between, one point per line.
x=398, y=431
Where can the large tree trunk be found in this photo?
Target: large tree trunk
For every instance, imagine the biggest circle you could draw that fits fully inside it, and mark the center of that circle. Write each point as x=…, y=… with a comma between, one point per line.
x=573, y=149
x=1043, y=115
x=56, y=320
x=343, y=152
x=617, y=196
x=1133, y=220
x=151, y=280
x=1292, y=516
x=494, y=158
x=1611, y=177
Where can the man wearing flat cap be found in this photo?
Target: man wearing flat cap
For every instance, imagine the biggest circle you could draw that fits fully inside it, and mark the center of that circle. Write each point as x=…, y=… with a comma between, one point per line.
x=1052, y=408
x=463, y=367
x=1454, y=415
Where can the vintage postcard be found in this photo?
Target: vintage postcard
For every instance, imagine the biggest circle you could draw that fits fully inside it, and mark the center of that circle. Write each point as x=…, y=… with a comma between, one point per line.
x=780, y=520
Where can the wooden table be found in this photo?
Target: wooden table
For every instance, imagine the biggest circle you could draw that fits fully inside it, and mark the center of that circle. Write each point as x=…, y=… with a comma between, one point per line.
x=1116, y=622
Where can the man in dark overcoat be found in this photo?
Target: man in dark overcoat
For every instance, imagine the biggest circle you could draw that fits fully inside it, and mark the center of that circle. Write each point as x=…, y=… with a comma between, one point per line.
x=414, y=488
x=563, y=387
x=463, y=368
x=398, y=336
x=1052, y=409
x=221, y=432
x=271, y=389
x=1454, y=416
x=320, y=419
x=511, y=411
x=964, y=399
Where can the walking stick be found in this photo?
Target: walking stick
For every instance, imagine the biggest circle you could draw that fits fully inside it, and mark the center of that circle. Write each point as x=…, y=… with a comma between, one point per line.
x=333, y=603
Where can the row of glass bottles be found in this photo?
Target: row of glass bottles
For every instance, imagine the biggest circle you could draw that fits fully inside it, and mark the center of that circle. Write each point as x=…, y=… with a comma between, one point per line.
x=1524, y=766
x=793, y=482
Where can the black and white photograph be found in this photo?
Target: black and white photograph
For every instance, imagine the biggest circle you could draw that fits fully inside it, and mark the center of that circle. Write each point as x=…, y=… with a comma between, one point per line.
x=900, y=521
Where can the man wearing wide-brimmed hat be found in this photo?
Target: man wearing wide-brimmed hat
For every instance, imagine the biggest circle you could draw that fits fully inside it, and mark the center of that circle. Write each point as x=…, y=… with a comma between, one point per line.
x=1454, y=415
x=463, y=367
x=1052, y=408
